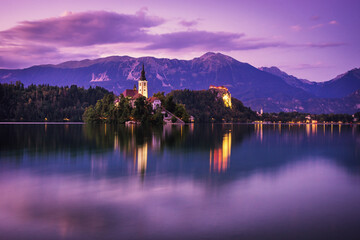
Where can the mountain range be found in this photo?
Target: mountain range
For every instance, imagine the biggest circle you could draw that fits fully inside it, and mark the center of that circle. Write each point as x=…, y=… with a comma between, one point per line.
x=268, y=88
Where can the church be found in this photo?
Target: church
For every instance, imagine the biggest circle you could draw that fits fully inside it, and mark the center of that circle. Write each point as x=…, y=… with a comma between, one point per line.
x=142, y=90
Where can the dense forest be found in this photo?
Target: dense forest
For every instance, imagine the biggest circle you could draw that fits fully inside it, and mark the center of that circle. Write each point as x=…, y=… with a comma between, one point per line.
x=44, y=102
x=206, y=107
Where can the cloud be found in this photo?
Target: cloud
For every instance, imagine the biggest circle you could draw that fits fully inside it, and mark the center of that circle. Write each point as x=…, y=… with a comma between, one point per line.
x=325, y=44
x=333, y=22
x=17, y=56
x=202, y=39
x=86, y=28
x=317, y=26
x=188, y=23
x=305, y=66
x=92, y=34
x=315, y=18
x=296, y=28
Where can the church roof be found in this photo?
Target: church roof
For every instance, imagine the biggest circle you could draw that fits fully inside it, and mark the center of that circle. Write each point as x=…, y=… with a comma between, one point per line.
x=130, y=93
x=142, y=77
x=137, y=95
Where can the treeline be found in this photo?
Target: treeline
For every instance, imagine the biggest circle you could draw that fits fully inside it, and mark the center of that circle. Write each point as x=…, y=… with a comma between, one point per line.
x=302, y=117
x=206, y=107
x=107, y=111
x=44, y=102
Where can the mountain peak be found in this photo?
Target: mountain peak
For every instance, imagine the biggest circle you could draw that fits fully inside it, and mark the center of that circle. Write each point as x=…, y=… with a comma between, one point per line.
x=208, y=54
x=274, y=70
x=219, y=57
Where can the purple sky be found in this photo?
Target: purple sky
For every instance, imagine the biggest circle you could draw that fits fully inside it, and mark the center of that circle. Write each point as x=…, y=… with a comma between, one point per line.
x=315, y=40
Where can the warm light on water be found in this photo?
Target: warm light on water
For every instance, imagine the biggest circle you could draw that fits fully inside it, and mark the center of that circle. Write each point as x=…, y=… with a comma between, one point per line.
x=105, y=182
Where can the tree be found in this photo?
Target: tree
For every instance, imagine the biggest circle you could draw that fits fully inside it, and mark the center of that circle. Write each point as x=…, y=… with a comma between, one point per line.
x=170, y=103
x=142, y=110
x=160, y=96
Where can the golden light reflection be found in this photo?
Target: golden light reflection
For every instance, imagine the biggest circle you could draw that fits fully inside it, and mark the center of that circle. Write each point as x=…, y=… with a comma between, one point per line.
x=339, y=128
x=116, y=141
x=220, y=157
x=308, y=130
x=259, y=131
x=142, y=154
x=280, y=128
x=314, y=129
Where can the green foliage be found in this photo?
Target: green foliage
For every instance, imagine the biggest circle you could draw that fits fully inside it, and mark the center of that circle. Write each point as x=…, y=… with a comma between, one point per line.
x=160, y=96
x=206, y=107
x=105, y=111
x=37, y=102
x=169, y=103
x=142, y=110
x=157, y=118
x=181, y=112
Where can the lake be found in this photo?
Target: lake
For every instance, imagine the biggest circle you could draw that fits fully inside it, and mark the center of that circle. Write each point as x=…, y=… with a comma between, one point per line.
x=216, y=181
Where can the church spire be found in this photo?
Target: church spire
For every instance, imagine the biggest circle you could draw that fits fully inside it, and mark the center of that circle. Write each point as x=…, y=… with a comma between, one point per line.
x=142, y=77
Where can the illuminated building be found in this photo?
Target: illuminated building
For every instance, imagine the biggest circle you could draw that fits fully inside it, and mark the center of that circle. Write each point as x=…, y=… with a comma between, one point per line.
x=222, y=92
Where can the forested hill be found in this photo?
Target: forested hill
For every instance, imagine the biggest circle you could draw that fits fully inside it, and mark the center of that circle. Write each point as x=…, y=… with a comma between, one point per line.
x=40, y=102
x=206, y=107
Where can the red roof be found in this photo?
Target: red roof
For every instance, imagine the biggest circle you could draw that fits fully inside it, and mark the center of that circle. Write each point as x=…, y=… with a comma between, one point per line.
x=130, y=93
x=152, y=99
x=137, y=95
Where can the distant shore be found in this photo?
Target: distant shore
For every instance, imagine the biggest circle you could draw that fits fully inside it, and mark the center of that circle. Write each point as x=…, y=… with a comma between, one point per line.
x=250, y=123
x=54, y=123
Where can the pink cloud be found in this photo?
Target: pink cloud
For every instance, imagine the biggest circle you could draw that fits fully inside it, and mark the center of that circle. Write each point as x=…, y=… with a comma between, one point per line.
x=333, y=22
x=53, y=39
x=325, y=44
x=188, y=23
x=83, y=29
x=200, y=39
x=296, y=28
x=315, y=18
x=317, y=26
x=304, y=66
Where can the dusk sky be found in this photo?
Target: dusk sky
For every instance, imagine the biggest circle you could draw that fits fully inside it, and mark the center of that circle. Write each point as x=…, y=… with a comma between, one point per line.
x=315, y=40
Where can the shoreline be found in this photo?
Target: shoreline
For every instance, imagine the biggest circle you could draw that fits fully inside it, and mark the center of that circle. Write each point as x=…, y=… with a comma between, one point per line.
x=39, y=123
x=250, y=123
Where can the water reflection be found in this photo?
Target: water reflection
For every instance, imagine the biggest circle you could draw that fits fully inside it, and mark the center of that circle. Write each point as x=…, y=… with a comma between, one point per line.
x=220, y=156
x=259, y=130
x=110, y=182
x=141, y=158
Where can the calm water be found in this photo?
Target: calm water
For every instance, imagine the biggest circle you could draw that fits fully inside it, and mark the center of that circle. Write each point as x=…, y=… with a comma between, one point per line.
x=179, y=182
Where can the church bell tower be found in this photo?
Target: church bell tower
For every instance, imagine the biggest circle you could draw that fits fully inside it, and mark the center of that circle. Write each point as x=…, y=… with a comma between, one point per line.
x=143, y=84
